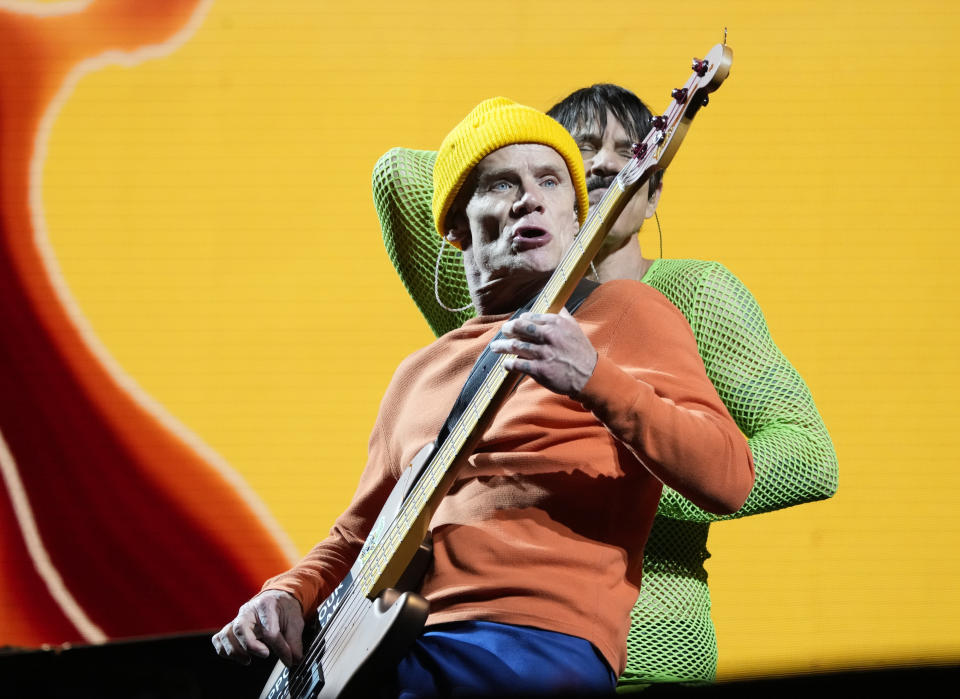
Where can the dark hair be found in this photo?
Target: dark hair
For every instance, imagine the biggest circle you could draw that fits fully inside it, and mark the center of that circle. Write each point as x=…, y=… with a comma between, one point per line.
x=588, y=106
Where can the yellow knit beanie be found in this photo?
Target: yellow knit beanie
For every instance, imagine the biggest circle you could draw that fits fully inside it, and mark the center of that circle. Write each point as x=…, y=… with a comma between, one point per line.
x=493, y=124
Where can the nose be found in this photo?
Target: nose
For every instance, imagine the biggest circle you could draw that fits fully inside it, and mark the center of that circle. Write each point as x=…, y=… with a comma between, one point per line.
x=528, y=201
x=604, y=162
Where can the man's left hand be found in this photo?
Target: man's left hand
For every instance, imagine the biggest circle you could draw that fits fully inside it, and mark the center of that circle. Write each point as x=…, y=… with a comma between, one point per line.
x=551, y=348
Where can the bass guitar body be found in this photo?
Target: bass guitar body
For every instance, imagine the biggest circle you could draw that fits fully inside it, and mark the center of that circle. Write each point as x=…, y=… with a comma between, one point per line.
x=356, y=640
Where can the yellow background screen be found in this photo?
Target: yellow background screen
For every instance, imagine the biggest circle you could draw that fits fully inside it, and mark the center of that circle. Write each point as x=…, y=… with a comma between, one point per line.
x=211, y=213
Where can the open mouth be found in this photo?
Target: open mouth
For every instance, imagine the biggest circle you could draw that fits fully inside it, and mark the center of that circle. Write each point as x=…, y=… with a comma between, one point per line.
x=529, y=237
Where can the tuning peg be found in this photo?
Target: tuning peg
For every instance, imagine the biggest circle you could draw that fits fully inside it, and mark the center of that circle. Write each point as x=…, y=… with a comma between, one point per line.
x=639, y=150
x=660, y=122
x=700, y=67
x=680, y=95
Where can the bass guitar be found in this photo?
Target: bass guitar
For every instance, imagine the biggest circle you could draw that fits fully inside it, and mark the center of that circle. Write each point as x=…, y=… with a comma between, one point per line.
x=367, y=624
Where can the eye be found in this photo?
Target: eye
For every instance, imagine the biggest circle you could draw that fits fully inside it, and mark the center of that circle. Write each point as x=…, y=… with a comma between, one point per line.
x=500, y=186
x=586, y=148
x=550, y=182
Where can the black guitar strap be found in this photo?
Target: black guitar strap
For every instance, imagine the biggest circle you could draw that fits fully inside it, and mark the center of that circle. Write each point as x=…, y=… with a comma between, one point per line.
x=487, y=359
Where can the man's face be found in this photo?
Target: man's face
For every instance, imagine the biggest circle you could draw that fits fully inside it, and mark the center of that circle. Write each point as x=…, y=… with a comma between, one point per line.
x=604, y=155
x=516, y=214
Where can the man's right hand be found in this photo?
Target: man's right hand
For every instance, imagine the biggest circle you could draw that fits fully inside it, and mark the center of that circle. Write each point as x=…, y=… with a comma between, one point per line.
x=271, y=621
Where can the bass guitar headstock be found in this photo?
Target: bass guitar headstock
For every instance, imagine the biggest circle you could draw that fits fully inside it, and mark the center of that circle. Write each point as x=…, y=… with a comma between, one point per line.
x=659, y=146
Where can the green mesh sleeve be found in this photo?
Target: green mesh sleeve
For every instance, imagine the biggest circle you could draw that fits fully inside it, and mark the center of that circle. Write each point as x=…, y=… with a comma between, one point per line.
x=793, y=454
x=402, y=195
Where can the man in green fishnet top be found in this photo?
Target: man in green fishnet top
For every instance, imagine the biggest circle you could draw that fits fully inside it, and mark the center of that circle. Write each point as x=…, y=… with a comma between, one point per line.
x=672, y=636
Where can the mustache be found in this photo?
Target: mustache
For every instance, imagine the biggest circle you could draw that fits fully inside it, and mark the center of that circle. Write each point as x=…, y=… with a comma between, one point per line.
x=598, y=181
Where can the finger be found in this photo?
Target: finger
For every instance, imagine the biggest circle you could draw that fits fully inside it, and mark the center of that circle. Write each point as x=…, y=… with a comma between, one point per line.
x=565, y=320
x=524, y=366
x=217, y=644
x=227, y=646
x=521, y=348
x=268, y=622
x=540, y=371
x=529, y=326
x=244, y=635
x=538, y=318
x=294, y=638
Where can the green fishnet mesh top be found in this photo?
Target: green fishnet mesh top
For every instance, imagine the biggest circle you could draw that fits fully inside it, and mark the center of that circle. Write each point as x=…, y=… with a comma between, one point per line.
x=671, y=636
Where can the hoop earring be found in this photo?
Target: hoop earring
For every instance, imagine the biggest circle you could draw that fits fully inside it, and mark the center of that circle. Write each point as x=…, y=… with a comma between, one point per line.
x=436, y=281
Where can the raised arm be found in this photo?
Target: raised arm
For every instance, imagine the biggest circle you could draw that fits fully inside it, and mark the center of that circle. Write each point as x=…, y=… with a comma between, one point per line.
x=402, y=190
x=793, y=455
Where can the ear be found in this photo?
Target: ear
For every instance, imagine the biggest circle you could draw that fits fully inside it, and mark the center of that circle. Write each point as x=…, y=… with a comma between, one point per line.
x=652, y=202
x=458, y=229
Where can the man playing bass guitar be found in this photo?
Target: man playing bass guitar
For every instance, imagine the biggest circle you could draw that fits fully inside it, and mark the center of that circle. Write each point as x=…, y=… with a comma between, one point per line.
x=538, y=542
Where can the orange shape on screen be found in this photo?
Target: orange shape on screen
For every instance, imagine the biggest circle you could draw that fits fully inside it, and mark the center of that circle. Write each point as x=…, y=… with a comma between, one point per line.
x=114, y=521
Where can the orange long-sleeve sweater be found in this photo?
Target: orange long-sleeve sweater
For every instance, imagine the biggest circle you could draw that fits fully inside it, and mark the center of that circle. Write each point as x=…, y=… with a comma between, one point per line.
x=546, y=525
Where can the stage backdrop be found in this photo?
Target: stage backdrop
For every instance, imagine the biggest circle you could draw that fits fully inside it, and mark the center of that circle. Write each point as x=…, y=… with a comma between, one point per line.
x=200, y=319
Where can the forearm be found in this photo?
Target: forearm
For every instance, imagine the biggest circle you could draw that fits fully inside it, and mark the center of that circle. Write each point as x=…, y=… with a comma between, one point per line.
x=799, y=465
x=792, y=467
x=793, y=454
x=316, y=575
x=692, y=448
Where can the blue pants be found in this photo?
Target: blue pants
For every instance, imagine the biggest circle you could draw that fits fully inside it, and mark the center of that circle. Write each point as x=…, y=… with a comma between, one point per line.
x=484, y=659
